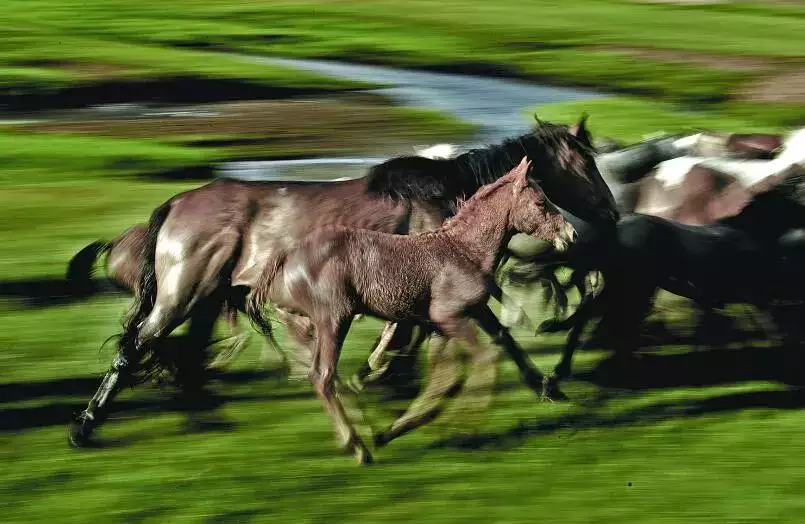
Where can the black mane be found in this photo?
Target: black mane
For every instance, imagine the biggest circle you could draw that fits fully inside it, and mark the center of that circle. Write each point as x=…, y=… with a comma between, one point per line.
x=449, y=181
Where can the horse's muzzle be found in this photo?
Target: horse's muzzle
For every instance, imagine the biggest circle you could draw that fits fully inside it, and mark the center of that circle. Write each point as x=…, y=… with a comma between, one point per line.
x=567, y=237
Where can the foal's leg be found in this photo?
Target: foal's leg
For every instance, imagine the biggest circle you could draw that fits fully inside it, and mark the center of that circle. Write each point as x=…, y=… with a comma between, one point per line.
x=529, y=374
x=301, y=330
x=329, y=338
x=443, y=376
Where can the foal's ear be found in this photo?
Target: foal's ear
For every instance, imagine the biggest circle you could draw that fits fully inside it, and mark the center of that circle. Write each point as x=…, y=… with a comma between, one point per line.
x=520, y=174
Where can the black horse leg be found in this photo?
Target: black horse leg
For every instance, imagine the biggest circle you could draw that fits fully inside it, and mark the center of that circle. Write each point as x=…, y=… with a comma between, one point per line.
x=578, y=280
x=191, y=365
x=587, y=309
x=119, y=376
x=500, y=335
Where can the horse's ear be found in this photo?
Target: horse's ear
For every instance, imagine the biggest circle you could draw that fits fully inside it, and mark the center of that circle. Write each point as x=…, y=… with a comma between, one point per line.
x=537, y=120
x=520, y=174
x=579, y=130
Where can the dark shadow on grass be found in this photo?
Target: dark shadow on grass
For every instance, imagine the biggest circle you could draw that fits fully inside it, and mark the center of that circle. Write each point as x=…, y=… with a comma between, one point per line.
x=518, y=435
x=60, y=413
x=85, y=386
x=47, y=292
x=783, y=364
x=151, y=400
x=166, y=90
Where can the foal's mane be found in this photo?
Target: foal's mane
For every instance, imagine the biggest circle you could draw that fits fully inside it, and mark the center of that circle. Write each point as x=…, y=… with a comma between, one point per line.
x=466, y=208
x=412, y=177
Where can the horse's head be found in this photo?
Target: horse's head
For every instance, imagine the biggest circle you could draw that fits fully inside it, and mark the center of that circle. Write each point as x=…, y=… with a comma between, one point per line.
x=533, y=214
x=570, y=174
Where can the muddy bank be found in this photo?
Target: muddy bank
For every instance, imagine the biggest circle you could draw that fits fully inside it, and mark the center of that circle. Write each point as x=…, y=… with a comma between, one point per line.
x=174, y=90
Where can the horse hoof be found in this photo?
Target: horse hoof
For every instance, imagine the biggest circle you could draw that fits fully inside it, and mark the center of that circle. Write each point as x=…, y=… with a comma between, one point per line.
x=380, y=439
x=363, y=456
x=77, y=437
x=551, y=391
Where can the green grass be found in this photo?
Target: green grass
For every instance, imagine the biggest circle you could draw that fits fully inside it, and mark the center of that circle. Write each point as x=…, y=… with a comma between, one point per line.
x=631, y=119
x=53, y=43
x=722, y=445
x=721, y=442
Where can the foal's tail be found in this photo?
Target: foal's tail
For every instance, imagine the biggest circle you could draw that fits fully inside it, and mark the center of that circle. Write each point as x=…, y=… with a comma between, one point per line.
x=81, y=268
x=255, y=306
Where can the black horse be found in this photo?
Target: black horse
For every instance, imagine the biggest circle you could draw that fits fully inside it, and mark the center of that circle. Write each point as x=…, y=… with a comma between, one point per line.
x=750, y=258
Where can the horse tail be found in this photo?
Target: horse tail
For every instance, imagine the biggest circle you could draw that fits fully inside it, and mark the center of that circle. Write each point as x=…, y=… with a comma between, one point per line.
x=144, y=301
x=255, y=306
x=81, y=268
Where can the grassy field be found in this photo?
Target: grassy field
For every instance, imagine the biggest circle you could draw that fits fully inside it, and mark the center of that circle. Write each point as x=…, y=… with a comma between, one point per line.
x=687, y=436
x=694, y=53
x=702, y=436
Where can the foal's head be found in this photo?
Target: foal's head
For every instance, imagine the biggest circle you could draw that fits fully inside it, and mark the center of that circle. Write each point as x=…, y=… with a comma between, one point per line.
x=570, y=175
x=532, y=213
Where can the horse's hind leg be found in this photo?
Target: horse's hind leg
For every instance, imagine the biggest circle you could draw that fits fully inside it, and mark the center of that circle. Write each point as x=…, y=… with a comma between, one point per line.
x=122, y=372
x=443, y=368
x=181, y=284
x=329, y=338
x=237, y=339
x=192, y=369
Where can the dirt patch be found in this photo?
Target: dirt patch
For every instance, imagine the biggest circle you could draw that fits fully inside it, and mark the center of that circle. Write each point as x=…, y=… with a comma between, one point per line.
x=88, y=70
x=682, y=2
x=282, y=128
x=786, y=87
x=724, y=62
x=170, y=90
x=780, y=80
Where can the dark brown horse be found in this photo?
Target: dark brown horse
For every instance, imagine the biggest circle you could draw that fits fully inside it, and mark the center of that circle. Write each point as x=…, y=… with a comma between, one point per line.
x=211, y=244
x=442, y=280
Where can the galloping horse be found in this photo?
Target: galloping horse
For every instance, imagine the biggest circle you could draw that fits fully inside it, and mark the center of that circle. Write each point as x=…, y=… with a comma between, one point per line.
x=441, y=280
x=211, y=244
x=123, y=257
x=123, y=260
x=738, y=259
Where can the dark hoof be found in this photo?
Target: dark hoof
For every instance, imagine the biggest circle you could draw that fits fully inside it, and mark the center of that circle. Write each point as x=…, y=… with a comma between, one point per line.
x=363, y=456
x=380, y=439
x=78, y=435
x=551, y=391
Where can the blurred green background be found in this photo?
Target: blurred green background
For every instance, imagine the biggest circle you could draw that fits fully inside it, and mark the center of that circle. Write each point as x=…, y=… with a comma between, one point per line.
x=700, y=436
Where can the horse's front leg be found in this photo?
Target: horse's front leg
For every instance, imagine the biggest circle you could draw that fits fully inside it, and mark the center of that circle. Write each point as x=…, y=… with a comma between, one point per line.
x=530, y=375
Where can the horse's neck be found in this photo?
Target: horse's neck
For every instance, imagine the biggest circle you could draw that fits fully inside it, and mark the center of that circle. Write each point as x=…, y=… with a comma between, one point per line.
x=481, y=232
